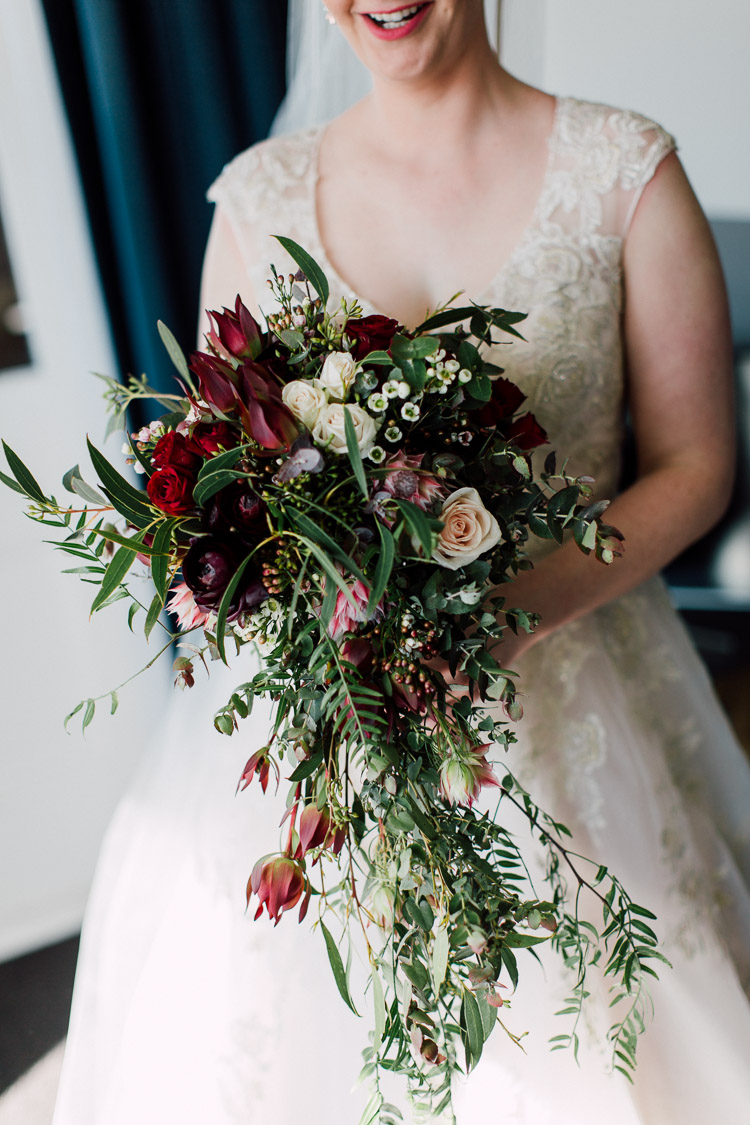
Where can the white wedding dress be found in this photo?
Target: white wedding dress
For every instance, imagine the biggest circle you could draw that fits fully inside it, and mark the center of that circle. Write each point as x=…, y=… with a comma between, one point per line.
x=187, y=1012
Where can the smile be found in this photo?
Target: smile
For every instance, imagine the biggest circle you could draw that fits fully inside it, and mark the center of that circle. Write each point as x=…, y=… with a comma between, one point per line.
x=392, y=25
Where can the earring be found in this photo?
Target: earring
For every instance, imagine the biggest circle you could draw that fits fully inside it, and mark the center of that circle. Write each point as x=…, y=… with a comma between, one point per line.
x=329, y=18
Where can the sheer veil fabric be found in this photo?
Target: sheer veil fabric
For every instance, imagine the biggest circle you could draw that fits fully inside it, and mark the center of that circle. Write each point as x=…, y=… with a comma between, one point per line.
x=185, y=1010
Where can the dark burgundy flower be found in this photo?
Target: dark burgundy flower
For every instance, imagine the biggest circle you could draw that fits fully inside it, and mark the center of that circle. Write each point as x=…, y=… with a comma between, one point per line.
x=210, y=565
x=279, y=884
x=525, y=433
x=171, y=490
x=236, y=509
x=209, y=438
x=505, y=401
x=173, y=452
x=217, y=381
x=264, y=415
x=371, y=334
x=235, y=333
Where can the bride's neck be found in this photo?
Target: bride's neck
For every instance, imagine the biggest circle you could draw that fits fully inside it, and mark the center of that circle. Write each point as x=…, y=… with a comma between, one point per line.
x=446, y=108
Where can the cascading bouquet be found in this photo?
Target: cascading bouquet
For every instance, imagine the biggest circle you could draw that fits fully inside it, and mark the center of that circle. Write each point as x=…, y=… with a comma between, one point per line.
x=350, y=497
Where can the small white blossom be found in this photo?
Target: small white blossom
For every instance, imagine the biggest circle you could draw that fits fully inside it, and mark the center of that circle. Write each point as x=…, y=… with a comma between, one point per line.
x=377, y=454
x=431, y=372
x=464, y=375
x=440, y=354
x=452, y=365
x=410, y=411
x=390, y=389
x=377, y=402
x=403, y=388
x=393, y=433
x=126, y=449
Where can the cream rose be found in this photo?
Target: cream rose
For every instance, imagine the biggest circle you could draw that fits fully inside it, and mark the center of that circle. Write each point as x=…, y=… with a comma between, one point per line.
x=329, y=428
x=469, y=531
x=337, y=375
x=304, y=400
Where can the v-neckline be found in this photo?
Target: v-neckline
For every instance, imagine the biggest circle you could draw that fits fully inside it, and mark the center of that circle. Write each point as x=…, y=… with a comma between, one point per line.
x=337, y=281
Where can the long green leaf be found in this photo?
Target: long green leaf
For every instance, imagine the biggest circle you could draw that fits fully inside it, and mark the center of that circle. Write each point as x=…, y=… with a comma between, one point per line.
x=419, y=524
x=352, y=448
x=440, y=950
x=160, y=558
x=332, y=573
x=116, y=571
x=154, y=610
x=383, y=568
x=24, y=477
x=12, y=484
x=442, y=319
x=308, y=265
x=471, y=1021
x=123, y=540
x=337, y=965
x=318, y=535
x=128, y=500
x=380, y=1010
x=175, y=353
x=226, y=601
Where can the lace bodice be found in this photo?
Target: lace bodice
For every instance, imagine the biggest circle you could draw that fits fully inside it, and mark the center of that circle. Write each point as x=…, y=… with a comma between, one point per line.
x=565, y=272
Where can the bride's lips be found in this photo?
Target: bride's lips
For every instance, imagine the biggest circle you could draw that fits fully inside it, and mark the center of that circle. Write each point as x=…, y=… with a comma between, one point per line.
x=383, y=29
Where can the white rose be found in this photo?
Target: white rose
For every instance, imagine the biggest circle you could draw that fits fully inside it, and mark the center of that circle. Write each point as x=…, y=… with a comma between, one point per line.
x=329, y=428
x=304, y=400
x=337, y=375
x=469, y=531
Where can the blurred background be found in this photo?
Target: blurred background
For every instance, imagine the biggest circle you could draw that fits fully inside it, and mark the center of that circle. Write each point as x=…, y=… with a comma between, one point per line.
x=114, y=118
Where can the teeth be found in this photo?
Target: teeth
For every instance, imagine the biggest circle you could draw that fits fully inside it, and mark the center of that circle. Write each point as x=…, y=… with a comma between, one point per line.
x=393, y=19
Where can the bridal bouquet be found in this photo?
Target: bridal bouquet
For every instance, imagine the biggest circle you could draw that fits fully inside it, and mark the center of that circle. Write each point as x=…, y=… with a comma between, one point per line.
x=350, y=498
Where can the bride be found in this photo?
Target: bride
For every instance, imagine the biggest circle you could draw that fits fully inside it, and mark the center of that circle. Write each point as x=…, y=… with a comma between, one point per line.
x=452, y=175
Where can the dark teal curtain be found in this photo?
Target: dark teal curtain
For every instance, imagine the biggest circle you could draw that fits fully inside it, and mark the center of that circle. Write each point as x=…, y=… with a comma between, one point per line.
x=160, y=95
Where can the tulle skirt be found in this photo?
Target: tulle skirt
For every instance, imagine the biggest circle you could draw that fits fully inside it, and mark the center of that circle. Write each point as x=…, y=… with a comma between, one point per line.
x=187, y=1011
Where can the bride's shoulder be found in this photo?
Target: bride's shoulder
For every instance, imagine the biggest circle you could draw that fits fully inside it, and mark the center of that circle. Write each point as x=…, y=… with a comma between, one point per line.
x=269, y=164
x=584, y=124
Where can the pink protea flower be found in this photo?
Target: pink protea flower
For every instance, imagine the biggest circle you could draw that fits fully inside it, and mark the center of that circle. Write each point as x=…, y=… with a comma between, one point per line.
x=182, y=604
x=406, y=480
x=346, y=617
x=464, y=775
x=279, y=884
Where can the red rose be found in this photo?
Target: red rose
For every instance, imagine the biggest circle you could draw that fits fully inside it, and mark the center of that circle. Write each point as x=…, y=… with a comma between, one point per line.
x=171, y=490
x=207, y=439
x=371, y=334
x=525, y=433
x=173, y=452
x=505, y=401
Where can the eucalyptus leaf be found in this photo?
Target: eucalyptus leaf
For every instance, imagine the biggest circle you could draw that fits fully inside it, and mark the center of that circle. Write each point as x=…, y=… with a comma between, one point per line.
x=121, y=563
x=308, y=265
x=26, y=480
x=337, y=965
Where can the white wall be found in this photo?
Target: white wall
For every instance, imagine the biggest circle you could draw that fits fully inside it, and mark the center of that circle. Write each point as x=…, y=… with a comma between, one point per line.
x=57, y=792
x=682, y=62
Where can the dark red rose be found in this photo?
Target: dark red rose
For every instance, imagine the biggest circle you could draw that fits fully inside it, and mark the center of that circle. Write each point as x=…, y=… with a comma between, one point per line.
x=525, y=433
x=235, y=333
x=505, y=401
x=371, y=334
x=210, y=565
x=173, y=452
x=236, y=508
x=209, y=438
x=171, y=490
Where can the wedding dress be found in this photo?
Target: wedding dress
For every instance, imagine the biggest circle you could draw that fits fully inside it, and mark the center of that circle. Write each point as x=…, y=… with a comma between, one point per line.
x=187, y=1011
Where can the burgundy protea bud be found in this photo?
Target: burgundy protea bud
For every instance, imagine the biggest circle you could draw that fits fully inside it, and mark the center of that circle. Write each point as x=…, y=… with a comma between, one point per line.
x=264, y=415
x=259, y=766
x=279, y=883
x=235, y=334
x=464, y=774
x=316, y=830
x=216, y=380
